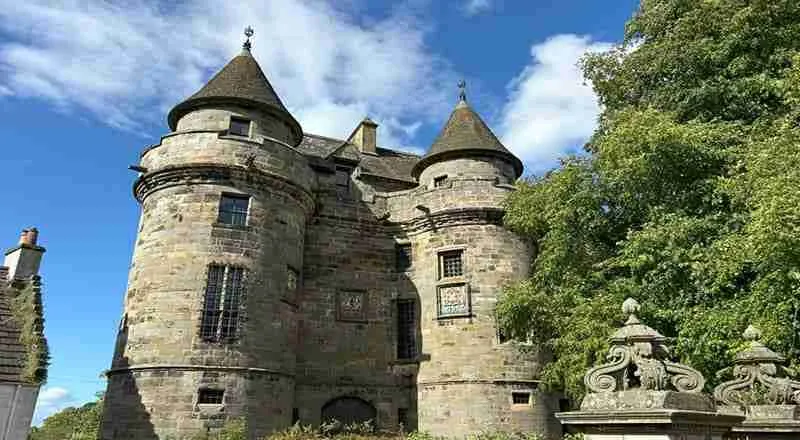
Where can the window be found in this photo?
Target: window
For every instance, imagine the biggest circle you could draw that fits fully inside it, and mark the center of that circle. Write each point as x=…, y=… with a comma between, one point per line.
x=207, y=396
x=343, y=181
x=403, y=255
x=239, y=127
x=520, y=398
x=402, y=417
x=292, y=280
x=224, y=292
x=439, y=181
x=295, y=415
x=233, y=209
x=450, y=264
x=406, y=329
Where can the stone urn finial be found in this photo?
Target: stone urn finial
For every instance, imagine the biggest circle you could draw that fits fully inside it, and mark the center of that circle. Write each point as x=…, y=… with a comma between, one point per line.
x=639, y=359
x=760, y=377
x=630, y=307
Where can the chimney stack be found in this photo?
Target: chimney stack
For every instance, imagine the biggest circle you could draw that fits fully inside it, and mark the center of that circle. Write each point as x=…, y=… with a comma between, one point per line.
x=23, y=260
x=365, y=136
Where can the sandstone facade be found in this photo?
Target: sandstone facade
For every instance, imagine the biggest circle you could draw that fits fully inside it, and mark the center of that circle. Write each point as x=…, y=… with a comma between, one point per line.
x=284, y=277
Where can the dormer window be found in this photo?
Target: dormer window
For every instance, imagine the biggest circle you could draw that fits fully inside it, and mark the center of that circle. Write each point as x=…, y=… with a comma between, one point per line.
x=239, y=127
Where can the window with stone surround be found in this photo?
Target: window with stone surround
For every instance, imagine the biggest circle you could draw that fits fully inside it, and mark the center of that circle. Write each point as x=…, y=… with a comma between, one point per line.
x=520, y=398
x=406, y=329
x=451, y=264
x=210, y=396
x=403, y=256
x=239, y=126
x=440, y=181
x=343, y=181
x=221, y=305
x=292, y=284
x=233, y=209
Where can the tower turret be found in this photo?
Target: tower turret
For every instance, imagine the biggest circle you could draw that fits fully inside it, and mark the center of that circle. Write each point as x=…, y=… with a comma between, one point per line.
x=209, y=329
x=470, y=378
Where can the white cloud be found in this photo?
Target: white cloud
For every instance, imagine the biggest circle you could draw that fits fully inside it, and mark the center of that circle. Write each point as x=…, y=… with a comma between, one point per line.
x=551, y=109
x=128, y=63
x=475, y=7
x=50, y=401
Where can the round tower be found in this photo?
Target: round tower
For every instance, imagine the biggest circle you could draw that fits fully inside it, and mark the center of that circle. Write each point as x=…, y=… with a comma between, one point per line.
x=208, y=332
x=470, y=378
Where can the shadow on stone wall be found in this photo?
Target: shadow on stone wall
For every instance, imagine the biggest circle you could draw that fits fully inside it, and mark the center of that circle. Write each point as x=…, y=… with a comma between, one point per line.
x=124, y=415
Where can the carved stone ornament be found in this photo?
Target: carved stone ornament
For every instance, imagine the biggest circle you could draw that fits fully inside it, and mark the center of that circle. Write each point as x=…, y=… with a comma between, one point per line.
x=638, y=359
x=760, y=377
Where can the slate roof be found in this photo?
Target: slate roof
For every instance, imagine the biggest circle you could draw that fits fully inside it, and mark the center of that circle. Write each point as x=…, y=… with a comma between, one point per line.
x=241, y=81
x=465, y=132
x=386, y=163
x=12, y=352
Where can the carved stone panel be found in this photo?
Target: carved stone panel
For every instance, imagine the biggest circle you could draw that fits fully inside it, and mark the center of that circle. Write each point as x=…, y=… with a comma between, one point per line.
x=351, y=305
x=453, y=300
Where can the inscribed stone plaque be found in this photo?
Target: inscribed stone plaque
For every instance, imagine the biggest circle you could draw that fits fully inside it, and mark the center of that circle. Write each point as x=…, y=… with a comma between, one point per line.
x=453, y=300
x=351, y=305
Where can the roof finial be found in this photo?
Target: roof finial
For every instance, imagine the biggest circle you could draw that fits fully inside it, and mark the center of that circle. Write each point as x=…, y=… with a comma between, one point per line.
x=248, y=32
x=462, y=93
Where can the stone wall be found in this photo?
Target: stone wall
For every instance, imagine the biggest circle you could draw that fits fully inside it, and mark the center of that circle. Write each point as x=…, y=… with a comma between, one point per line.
x=336, y=337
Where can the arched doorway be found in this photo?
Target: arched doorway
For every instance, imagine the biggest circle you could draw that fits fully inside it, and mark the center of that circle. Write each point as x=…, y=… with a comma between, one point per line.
x=348, y=410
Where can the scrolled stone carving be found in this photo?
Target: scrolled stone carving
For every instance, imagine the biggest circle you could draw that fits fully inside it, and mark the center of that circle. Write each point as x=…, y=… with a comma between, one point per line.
x=639, y=359
x=759, y=377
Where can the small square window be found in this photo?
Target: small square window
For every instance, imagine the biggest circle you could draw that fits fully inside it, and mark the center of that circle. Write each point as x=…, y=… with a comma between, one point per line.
x=451, y=264
x=403, y=255
x=520, y=398
x=239, y=127
x=233, y=209
x=207, y=396
x=439, y=181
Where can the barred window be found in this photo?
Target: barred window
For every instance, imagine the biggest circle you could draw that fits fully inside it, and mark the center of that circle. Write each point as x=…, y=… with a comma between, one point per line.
x=404, y=260
x=233, y=209
x=239, y=127
x=406, y=329
x=221, y=307
x=451, y=264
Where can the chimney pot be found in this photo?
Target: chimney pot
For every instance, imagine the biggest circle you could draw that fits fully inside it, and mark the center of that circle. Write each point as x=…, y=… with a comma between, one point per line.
x=29, y=237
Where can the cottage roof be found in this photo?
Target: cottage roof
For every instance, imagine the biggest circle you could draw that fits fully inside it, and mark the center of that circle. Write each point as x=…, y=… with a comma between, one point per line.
x=465, y=133
x=241, y=82
x=12, y=352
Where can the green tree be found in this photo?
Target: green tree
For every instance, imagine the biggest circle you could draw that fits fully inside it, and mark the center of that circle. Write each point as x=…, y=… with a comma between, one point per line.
x=688, y=198
x=81, y=423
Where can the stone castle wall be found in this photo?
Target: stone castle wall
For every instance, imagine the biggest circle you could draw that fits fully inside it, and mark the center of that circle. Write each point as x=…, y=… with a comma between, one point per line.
x=336, y=337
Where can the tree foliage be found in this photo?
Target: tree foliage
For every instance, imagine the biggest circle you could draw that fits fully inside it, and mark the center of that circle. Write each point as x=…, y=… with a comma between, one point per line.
x=81, y=423
x=688, y=198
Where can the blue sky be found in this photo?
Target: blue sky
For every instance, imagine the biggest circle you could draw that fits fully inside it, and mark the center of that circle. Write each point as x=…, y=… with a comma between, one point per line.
x=85, y=86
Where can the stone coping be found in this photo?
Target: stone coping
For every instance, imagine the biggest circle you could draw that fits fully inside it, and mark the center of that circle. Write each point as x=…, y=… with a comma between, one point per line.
x=628, y=418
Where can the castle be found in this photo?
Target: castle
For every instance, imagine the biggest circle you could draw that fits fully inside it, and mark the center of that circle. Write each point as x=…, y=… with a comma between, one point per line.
x=281, y=277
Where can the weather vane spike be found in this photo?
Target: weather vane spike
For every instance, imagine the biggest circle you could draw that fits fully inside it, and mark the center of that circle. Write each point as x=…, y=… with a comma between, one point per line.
x=462, y=93
x=248, y=32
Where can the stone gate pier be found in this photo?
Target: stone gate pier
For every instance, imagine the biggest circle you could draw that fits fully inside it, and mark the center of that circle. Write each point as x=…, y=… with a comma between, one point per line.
x=762, y=391
x=641, y=395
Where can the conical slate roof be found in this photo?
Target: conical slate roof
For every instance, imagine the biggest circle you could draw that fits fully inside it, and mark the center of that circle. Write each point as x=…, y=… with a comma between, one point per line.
x=241, y=82
x=465, y=133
